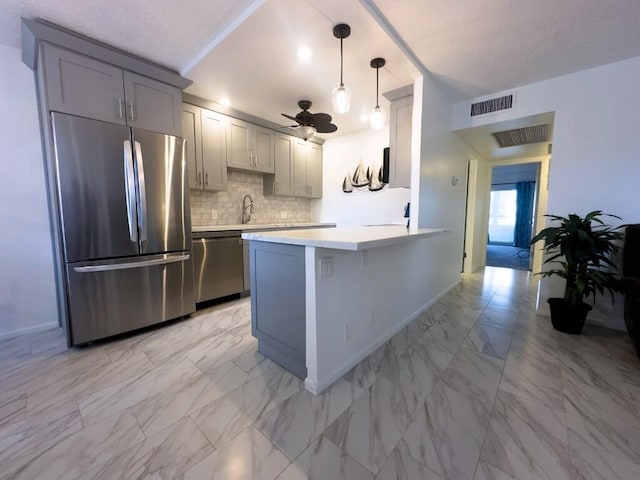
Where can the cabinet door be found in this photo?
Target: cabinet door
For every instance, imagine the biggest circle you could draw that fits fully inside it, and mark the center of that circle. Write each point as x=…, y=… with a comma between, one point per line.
x=238, y=134
x=84, y=87
x=300, y=168
x=152, y=105
x=400, y=142
x=284, y=146
x=214, y=150
x=263, y=149
x=314, y=170
x=192, y=134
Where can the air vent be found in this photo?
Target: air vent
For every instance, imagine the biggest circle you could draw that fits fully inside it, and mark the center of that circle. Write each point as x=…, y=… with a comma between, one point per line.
x=522, y=136
x=492, y=105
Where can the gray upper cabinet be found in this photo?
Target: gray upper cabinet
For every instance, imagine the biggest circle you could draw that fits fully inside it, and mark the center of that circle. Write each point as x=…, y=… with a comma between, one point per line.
x=214, y=150
x=249, y=147
x=152, y=105
x=86, y=87
x=282, y=182
x=82, y=86
x=206, y=150
x=307, y=169
x=400, y=142
x=314, y=170
x=300, y=186
x=263, y=149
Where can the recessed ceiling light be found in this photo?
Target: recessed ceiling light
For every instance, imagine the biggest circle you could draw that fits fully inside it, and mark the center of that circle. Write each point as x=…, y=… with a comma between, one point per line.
x=304, y=53
x=364, y=117
x=224, y=101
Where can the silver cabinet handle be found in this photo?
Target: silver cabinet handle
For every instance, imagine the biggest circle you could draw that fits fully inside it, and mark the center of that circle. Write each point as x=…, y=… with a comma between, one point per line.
x=206, y=179
x=120, y=109
x=131, y=116
x=199, y=178
x=142, y=192
x=164, y=260
x=277, y=186
x=130, y=189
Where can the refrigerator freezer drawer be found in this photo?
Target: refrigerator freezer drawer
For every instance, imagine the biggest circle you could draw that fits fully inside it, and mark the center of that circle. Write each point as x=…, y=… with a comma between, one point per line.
x=109, y=298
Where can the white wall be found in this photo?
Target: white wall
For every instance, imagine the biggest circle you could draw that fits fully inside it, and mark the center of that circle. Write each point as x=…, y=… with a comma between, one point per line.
x=361, y=207
x=441, y=204
x=596, y=145
x=27, y=285
x=370, y=295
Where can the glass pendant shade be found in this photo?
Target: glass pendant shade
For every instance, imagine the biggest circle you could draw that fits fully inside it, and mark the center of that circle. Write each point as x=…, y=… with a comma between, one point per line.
x=341, y=95
x=378, y=118
x=305, y=132
x=341, y=99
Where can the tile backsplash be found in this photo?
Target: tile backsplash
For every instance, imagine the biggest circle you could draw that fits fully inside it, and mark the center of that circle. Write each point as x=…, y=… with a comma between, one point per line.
x=225, y=208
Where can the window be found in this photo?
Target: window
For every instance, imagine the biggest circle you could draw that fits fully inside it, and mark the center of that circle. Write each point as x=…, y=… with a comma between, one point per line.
x=502, y=216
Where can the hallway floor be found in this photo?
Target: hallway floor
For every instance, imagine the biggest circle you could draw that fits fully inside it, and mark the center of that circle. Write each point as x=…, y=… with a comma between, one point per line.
x=507, y=256
x=478, y=387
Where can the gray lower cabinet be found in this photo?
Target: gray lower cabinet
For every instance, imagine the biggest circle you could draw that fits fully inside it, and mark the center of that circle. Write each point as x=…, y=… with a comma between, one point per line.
x=278, y=310
x=83, y=86
x=206, y=153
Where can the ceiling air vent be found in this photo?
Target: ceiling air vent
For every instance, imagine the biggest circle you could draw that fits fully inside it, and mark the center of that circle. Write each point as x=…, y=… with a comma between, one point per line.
x=522, y=136
x=492, y=105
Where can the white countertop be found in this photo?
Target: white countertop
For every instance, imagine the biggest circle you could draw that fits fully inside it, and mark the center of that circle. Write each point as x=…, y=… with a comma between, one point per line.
x=353, y=238
x=245, y=227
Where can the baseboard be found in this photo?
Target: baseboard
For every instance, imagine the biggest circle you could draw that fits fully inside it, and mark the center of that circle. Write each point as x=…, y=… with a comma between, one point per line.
x=23, y=331
x=318, y=387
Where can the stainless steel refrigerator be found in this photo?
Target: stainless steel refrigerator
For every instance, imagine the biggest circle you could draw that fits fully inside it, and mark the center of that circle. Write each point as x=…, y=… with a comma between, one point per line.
x=123, y=205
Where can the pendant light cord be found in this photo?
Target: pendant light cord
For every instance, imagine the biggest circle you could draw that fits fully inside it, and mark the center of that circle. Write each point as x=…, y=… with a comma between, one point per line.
x=341, y=83
x=377, y=95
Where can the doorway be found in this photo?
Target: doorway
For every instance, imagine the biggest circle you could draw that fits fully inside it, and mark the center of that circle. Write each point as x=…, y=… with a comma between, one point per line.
x=524, y=140
x=511, y=215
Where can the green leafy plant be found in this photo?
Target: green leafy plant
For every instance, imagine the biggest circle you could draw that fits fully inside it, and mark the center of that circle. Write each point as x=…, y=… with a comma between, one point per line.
x=583, y=248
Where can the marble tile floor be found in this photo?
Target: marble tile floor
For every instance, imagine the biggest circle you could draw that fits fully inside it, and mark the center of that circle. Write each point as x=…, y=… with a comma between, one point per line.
x=478, y=387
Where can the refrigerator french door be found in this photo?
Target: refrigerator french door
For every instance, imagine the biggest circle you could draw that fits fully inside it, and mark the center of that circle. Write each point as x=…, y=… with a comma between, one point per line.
x=126, y=232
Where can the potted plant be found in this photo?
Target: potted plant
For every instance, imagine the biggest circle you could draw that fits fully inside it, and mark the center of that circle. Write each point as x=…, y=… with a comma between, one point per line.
x=582, y=248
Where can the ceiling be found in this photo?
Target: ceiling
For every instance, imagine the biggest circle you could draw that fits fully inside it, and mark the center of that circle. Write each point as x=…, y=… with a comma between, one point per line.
x=246, y=49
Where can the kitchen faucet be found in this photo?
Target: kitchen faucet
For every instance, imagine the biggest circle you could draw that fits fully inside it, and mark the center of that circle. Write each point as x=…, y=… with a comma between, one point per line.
x=247, y=208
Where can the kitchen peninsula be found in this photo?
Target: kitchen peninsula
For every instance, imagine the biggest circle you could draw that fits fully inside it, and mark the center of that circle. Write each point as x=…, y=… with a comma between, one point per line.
x=324, y=299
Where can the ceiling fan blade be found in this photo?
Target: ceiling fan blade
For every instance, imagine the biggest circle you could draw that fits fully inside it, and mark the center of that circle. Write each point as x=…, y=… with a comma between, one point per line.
x=321, y=118
x=289, y=117
x=305, y=118
x=326, y=128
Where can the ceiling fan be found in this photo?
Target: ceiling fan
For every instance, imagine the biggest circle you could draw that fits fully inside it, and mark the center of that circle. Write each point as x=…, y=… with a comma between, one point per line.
x=309, y=123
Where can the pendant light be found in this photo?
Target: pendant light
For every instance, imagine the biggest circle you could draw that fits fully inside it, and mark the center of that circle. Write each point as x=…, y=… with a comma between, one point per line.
x=378, y=116
x=341, y=94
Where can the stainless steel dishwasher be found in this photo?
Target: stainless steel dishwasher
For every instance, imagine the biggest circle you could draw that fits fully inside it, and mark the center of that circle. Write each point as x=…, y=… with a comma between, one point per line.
x=217, y=264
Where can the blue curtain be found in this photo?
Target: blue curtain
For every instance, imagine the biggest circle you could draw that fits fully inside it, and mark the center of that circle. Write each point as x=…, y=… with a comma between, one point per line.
x=524, y=213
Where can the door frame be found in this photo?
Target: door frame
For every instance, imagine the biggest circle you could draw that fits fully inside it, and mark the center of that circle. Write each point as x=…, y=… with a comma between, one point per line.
x=478, y=186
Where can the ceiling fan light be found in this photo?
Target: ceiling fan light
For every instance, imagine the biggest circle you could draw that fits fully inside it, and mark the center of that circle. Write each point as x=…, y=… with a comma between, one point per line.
x=341, y=99
x=305, y=132
x=378, y=118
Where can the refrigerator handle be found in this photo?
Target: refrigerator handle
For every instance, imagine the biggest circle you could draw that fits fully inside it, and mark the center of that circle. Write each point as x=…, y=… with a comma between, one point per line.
x=130, y=188
x=142, y=192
